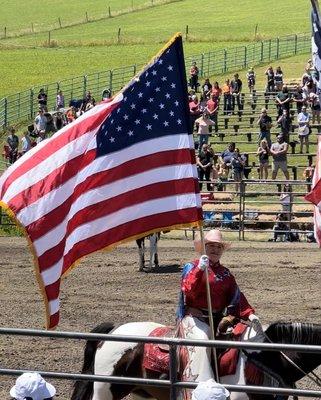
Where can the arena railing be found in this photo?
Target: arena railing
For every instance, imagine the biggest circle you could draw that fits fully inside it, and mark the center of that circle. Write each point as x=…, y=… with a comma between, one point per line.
x=23, y=106
x=173, y=383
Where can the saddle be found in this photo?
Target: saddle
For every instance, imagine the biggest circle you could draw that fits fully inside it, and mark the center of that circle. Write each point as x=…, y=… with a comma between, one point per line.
x=156, y=356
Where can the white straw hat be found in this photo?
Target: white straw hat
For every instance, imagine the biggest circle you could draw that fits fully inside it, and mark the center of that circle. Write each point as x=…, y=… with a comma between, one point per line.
x=32, y=384
x=210, y=390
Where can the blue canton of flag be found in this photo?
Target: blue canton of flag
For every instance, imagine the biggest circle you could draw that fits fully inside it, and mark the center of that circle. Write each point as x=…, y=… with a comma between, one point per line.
x=316, y=40
x=154, y=104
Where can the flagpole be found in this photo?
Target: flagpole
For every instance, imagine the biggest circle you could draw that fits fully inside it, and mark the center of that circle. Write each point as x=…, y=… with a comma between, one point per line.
x=210, y=310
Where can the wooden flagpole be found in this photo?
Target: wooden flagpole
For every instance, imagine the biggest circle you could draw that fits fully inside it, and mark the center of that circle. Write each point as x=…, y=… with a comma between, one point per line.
x=210, y=310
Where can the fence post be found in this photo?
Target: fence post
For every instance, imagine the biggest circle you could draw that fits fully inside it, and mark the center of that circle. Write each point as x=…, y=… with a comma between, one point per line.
x=242, y=209
x=31, y=103
x=295, y=44
x=5, y=32
x=225, y=60
x=134, y=69
x=262, y=51
x=277, y=48
x=172, y=371
x=245, y=56
x=5, y=122
x=85, y=85
x=202, y=65
x=111, y=81
x=109, y=12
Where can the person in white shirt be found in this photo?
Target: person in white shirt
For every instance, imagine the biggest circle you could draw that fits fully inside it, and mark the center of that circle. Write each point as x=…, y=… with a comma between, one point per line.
x=304, y=129
x=25, y=143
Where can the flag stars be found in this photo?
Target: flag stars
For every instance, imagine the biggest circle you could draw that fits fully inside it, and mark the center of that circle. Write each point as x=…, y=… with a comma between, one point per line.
x=171, y=113
x=165, y=123
x=176, y=103
x=170, y=68
x=154, y=72
x=132, y=106
x=125, y=99
x=118, y=110
x=125, y=117
x=157, y=89
x=155, y=116
x=144, y=111
x=160, y=62
x=147, y=84
x=130, y=133
x=137, y=121
x=151, y=99
x=112, y=140
x=168, y=96
x=173, y=85
x=179, y=122
x=140, y=95
x=149, y=127
x=111, y=121
x=161, y=106
x=164, y=78
x=118, y=128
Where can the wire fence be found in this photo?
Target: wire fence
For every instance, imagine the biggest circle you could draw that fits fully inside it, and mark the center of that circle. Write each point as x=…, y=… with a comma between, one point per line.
x=23, y=105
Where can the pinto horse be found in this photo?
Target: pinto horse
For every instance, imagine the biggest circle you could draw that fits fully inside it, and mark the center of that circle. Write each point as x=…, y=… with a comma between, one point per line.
x=153, y=251
x=126, y=359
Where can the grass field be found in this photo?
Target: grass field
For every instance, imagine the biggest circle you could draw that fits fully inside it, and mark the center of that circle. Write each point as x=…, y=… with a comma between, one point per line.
x=89, y=47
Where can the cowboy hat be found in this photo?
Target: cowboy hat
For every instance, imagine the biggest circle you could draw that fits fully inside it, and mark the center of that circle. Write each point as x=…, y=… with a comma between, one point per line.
x=210, y=390
x=212, y=236
x=32, y=384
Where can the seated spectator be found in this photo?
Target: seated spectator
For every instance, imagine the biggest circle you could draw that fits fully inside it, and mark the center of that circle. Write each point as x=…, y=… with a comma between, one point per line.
x=280, y=228
x=270, y=86
x=32, y=386
x=210, y=390
x=298, y=98
x=286, y=200
x=13, y=143
x=60, y=100
x=304, y=129
x=193, y=73
x=265, y=124
x=216, y=91
x=87, y=99
x=212, y=110
x=204, y=123
x=263, y=152
x=250, y=76
x=315, y=107
x=278, y=79
x=42, y=99
x=41, y=137
x=106, y=94
x=26, y=143
x=285, y=123
x=283, y=101
x=206, y=88
x=71, y=114
x=40, y=121
x=204, y=162
x=227, y=97
x=227, y=155
x=279, y=151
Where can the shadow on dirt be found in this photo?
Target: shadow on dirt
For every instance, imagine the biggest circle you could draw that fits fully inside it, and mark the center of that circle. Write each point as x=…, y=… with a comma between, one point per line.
x=164, y=269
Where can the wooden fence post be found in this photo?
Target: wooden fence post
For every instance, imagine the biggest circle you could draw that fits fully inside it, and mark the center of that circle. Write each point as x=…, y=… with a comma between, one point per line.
x=49, y=38
x=87, y=17
x=186, y=33
x=109, y=12
x=5, y=32
x=59, y=21
x=32, y=29
x=118, y=35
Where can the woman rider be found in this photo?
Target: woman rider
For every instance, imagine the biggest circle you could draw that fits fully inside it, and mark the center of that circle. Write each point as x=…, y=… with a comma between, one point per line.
x=226, y=297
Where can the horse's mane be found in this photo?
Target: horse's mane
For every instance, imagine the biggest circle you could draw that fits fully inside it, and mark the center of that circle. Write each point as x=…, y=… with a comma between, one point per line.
x=294, y=332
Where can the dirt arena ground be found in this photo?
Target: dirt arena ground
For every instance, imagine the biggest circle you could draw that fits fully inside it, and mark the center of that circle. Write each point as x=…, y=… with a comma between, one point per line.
x=282, y=280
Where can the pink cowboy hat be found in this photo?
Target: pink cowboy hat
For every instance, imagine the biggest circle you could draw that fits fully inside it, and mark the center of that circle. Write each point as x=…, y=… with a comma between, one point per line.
x=212, y=236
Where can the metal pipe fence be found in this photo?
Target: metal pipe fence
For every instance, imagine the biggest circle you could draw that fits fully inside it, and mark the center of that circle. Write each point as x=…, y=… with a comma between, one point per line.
x=23, y=105
x=173, y=383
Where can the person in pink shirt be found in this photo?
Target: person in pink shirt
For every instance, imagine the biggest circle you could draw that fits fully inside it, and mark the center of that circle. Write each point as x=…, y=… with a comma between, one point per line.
x=203, y=128
x=212, y=110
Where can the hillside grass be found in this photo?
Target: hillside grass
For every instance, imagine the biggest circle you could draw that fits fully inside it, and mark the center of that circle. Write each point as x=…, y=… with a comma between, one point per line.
x=91, y=47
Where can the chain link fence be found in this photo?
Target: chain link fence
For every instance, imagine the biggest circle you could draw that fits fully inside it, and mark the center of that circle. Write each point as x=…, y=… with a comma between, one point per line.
x=23, y=105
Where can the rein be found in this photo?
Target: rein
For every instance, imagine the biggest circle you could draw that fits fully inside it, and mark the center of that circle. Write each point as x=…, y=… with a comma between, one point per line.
x=312, y=375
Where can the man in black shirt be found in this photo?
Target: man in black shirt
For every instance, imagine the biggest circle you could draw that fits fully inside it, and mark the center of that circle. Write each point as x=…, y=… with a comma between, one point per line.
x=283, y=101
x=236, y=88
x=265, y=124
x=204, y=164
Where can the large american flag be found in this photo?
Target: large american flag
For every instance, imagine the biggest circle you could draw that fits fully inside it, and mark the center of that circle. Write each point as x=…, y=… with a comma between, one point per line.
x=315, y=195
x=124, y=169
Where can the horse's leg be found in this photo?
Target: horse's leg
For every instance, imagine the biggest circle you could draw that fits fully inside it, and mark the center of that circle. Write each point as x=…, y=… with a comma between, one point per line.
x=153, y=260
x=141, y=252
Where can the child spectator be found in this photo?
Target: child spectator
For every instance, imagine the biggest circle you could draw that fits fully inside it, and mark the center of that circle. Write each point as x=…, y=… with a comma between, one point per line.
x=193, y=72
x=60, y=100
x=206, y=88
x=308, y=175
x=304, y=129
x=250, y=76
x=13, y=144
x=71, y=114
x=227, y=97
x=223, y=172
x=263, y=152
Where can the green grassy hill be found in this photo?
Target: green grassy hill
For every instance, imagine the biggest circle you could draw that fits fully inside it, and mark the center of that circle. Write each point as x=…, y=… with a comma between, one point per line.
x=27, y=60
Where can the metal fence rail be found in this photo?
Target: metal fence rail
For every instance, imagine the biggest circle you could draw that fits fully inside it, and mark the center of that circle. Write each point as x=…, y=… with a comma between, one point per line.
x=173, y=382
x=23, y=105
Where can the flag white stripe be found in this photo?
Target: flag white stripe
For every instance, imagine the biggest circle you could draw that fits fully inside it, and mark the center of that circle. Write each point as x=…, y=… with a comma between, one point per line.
x=53, y=306
x=56, y=197
x=55, y=235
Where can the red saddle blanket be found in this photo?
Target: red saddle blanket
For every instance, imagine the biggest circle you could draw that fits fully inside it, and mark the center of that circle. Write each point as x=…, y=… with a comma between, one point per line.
x=156, y=356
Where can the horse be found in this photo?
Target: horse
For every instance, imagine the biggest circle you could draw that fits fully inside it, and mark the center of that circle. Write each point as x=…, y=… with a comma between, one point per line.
x=126, y=359
x=153, y=255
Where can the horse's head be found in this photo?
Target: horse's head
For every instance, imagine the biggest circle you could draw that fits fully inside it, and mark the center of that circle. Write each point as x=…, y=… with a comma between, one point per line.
x=293, y=333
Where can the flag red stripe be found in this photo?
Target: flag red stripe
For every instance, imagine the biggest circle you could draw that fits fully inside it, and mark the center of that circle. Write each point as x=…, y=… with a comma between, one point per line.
x=53, y=290
x=74, y=131
x=95, y=211
x=132, y=167
x=54, y=320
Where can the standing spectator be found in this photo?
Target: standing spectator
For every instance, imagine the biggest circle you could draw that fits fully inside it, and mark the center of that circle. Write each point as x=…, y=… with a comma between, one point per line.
x=283, y=100
x=236, y=88
x=307, y=89
x=42, y=99
x=227, y=97
x=60, y=100
x=286, y=200
x=203, y=123
x=279, y=151
x=13, y=143
x=25, y=143
x=270, y=86
x=278, y=79
x=315, y=107
x=31, y=385
x=223, y=172
x=204, y=164
x=298, y=98
x=212, y=110
x=40, y=121
x=193, y=72
x=304, y=129
x=216, y=91
x=265, y=124
x=263, y=152
x=308, y=175
x=306, y=77
x=250, y=76
x=237, y=165
x=206, y=88
x=227, y=155
x=194, y=110
x=285, y=123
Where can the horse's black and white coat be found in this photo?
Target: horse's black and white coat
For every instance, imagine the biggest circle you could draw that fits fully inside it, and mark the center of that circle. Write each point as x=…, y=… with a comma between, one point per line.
x=153, y=252
x=125, y=359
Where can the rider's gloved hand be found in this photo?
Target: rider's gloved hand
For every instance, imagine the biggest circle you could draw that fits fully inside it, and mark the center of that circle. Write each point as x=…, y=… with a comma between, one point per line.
x=203, y=262
x=255, y=322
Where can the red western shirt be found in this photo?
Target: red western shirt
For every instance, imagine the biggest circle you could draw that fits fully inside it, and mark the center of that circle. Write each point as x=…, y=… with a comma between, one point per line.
x=223, y=287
